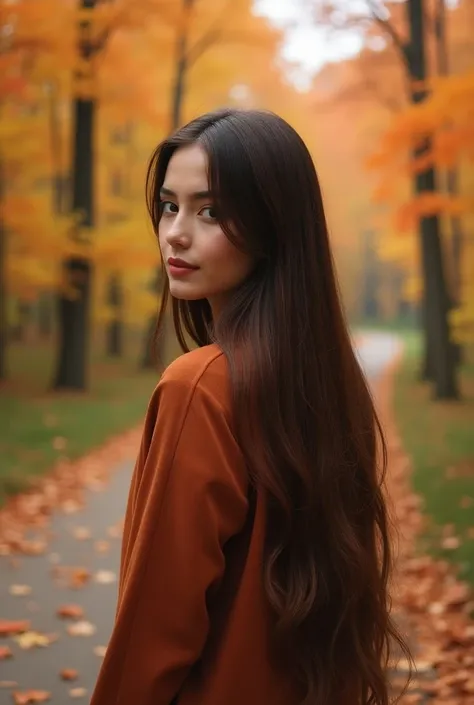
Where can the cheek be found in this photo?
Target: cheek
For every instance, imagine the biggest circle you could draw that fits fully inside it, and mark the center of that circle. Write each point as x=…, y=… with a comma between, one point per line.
x=221, y=250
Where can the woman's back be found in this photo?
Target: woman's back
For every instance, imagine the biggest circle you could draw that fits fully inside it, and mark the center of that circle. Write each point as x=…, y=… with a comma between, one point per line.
x=175, y=526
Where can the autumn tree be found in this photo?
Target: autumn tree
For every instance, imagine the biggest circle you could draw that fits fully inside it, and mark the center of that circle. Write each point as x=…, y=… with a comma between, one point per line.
x=226, y=26
x=29, y=32
x=403, y=25
x=444, y=121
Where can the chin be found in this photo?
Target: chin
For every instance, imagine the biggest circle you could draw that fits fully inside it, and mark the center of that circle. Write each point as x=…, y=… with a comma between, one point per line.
x=185, y=294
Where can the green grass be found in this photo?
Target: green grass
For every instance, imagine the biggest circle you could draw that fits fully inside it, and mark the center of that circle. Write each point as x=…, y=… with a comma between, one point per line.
x=31, y=417
x=439, y=438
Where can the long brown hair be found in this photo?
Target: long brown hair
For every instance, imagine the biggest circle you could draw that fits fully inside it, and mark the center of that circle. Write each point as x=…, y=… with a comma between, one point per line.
x=303, y=411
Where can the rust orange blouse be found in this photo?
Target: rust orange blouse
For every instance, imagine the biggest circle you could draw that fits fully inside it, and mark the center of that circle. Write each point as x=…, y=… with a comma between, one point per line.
x=192, y=623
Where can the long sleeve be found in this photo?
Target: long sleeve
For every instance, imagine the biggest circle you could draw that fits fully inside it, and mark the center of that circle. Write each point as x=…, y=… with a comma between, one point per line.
x=188, y=497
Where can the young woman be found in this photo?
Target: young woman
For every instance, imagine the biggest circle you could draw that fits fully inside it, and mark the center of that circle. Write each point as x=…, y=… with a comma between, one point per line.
x=256, y=553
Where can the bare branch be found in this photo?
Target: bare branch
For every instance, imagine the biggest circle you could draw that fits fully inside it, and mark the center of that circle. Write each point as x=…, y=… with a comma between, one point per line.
x=208, y=39
x=354, y=92
x=388, y=28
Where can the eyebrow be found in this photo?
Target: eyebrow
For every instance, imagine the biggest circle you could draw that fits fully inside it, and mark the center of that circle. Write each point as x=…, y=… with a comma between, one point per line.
x=198, y=195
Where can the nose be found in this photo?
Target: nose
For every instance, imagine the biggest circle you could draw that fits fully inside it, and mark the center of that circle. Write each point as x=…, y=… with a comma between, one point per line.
x=178, y=234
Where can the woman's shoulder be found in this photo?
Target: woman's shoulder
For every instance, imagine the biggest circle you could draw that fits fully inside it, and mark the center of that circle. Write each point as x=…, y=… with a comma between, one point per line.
x=204, y=367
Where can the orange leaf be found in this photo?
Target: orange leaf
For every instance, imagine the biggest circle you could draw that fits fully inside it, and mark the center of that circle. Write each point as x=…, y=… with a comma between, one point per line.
x=5, y=652
x=70, y=611
x=30, y=696
x=450, y=543
x=69, y=674
x=8, y=627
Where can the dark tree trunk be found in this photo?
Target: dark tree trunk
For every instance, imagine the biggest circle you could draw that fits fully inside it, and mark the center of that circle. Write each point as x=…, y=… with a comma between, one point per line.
x=180, y=77
x=3, y=286
x=451, y=180
x=115, y=332
x=23, y=321
x=45, y=315
x=73, y=313
x=59, y=182
x=73, y=333
x=178, y=94
x=370, y=304
x=115, y=339
x=436, y=303
x=154, y=346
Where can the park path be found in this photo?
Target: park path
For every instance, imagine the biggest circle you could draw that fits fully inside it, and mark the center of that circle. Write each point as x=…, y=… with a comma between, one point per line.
x=89, y=540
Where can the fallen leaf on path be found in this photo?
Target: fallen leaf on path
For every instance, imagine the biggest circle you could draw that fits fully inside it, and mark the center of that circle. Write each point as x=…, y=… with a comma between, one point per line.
x=29, y=640
x=8, y=627
x=102, y=546
x=78, y=692
x=75, y=577
x=456, y=594
x=70, y=506
x=100, y=651
x=82, y=628
x=33, y=547
x=8, y=684
x=450, y=543
x=105, y=577
x=70, y=612
x=5, y=652
x=20, y=590
x=469, y=686
x=115, y=531
x=69, y=674
x=30, y=696
x=82, y=533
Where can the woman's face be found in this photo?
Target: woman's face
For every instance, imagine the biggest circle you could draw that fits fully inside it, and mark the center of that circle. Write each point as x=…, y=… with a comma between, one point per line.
x=200, y=261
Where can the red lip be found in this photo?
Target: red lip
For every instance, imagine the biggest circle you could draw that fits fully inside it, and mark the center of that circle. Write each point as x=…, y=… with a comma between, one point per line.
x=180, y=263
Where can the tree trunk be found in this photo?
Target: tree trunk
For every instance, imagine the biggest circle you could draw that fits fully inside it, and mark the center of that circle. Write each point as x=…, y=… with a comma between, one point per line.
x=436, y=302
x=114, y=333
x=181, y=67
x=74, y=313
x=3, y=285
x=23, y=321
x=45, y=315
x=114, y=338
x=451, y=180
x=179, y=88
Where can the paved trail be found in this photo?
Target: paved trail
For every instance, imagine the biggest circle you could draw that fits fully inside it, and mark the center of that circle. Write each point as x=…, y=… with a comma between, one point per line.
x=39, y=668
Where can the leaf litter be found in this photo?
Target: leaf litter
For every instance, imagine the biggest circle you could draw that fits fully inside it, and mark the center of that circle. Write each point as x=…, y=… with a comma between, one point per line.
x=431, y=605
x=63, y=489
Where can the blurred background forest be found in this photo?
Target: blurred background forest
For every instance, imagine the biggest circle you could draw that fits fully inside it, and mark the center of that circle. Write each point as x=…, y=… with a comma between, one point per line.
x=87, y=90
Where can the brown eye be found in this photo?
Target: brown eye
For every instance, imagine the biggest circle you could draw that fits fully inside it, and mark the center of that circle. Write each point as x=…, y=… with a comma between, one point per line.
x=168, y=207
x=209, y=212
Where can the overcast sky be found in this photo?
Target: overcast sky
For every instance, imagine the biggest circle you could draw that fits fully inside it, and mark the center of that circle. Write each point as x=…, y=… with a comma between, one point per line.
x=306, y=44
